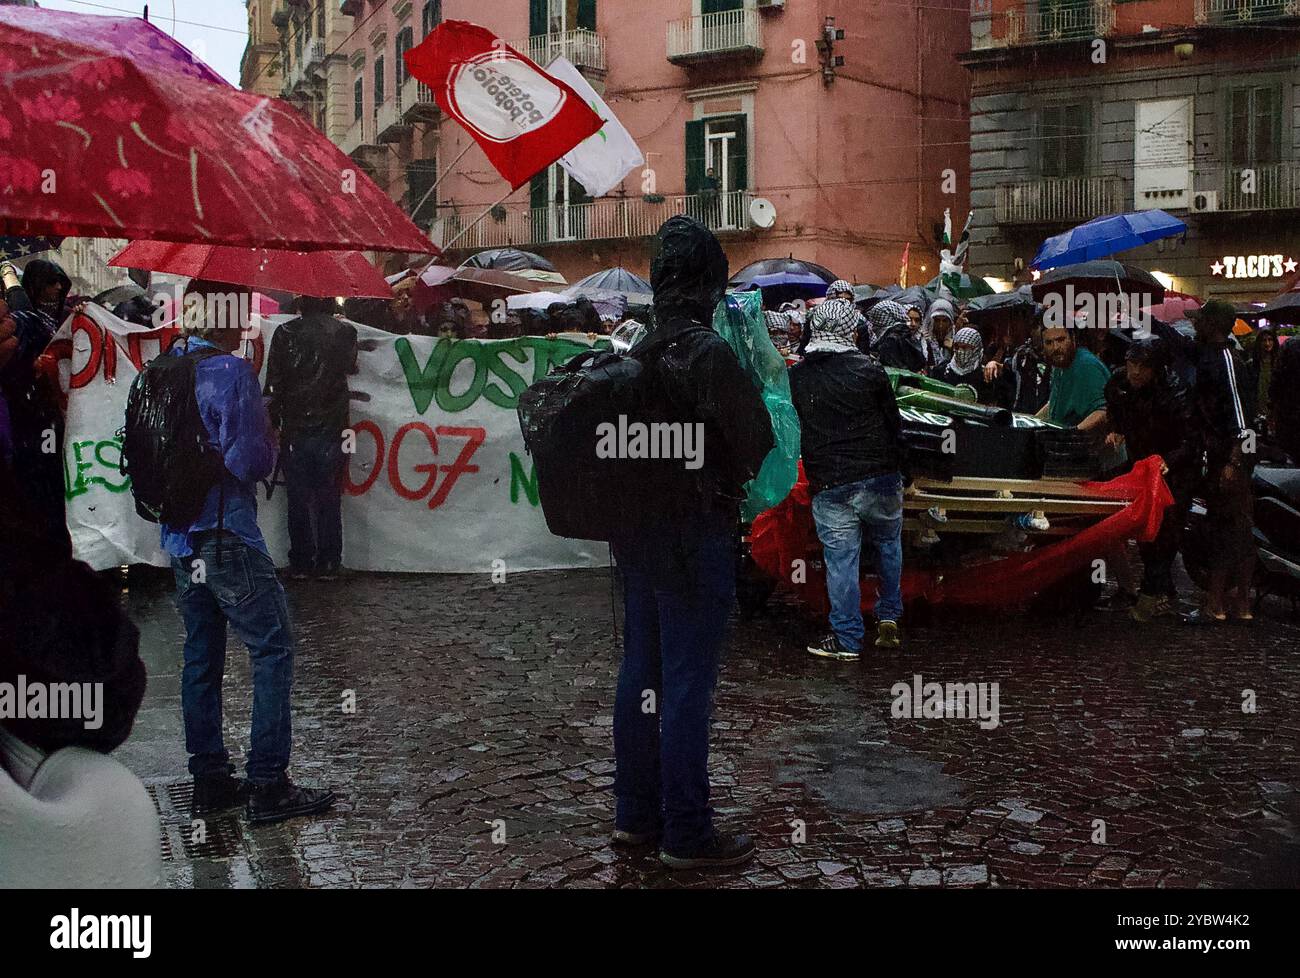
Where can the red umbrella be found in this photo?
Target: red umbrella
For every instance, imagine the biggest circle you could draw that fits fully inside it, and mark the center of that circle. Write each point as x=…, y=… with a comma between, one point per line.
x=320, y=273
x=138, y=149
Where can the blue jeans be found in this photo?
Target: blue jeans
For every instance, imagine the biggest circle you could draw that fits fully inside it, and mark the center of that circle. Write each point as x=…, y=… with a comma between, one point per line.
x=239, y=586
x=840, y=514
x=678, y=586
x=313, y=470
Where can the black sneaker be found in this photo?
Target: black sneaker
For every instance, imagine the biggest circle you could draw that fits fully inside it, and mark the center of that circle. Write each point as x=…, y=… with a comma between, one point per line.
x=218, y=792
x=724, y=849
x=830, y=648
x=280, y=800
x=623, y=839
x=328, y=572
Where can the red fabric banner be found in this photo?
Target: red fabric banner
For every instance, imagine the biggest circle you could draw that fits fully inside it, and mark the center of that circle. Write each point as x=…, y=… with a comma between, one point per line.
x=786, y=533
x=523, y=118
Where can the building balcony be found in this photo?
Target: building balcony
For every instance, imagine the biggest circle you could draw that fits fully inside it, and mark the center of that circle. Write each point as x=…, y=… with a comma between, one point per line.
x=1244, y=13
x=360, y=137
x=304, y=72
x=708, y=37
x=582, y=48
x=1058, y=200
x=389, y=123
x=416, y=102
x=605, y=219
x=1261, y=188
x=1042, y=22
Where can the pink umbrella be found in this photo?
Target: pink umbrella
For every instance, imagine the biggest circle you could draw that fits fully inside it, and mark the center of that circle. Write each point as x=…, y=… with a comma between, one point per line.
x=1176, y=306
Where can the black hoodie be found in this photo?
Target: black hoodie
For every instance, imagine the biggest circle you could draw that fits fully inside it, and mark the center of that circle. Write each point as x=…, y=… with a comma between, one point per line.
x=699, y=372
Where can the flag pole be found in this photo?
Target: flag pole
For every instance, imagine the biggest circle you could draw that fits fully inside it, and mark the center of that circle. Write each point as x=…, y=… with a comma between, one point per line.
x=469, y=227
x=438, y=179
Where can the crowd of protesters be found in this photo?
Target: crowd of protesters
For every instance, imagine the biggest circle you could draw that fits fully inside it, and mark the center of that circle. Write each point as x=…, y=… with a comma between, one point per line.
x=1196, y=403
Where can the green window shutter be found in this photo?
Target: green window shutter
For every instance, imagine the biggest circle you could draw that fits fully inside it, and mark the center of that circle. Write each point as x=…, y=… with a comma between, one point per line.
x=1076, y=146
x=537, y=19
x=738, y=157
x=1049, y=141
x=420, y=175
x=586, y=15
x=379, y=82
x=537, y=190
x=694, y=156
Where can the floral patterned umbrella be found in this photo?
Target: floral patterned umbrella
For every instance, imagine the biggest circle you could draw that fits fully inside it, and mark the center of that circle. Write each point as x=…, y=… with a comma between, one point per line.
x=109, y=132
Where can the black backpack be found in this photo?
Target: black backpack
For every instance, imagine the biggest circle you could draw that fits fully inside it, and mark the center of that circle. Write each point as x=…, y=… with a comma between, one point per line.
x=165, y=446
x=584, y=496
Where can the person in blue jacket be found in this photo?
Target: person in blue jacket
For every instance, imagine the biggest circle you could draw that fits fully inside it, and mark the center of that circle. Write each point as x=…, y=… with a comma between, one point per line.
x=225, y=576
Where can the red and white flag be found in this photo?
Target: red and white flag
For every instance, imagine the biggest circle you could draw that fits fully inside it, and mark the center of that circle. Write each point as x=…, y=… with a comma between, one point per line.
x=523, y=118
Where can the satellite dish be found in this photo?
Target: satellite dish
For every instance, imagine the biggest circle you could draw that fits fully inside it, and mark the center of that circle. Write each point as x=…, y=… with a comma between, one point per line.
x=762, y=212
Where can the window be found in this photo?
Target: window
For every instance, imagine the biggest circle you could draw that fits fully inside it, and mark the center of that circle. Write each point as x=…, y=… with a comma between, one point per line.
x=405, y=41
x=358, y=97
x=320, y=18
x=1254, y=124
x=719, y=6
x=1065, y=140
x=430, y=17
x=717, y=165
x=379, y=80
x=559, y=16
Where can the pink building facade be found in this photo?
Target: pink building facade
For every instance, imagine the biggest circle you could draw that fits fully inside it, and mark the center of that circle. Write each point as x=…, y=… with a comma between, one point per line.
x=856, y=159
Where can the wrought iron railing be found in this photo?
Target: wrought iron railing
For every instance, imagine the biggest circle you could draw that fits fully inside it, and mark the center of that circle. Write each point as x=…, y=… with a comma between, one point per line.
x=727, y=32
x=604, y=219
x=1050, y=200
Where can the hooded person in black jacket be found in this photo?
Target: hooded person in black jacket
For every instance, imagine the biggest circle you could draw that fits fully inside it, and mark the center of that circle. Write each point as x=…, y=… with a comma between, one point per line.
x=1148, y=413
x=33, y=399
x=679, y=565
x=899, y=344
x=853, y=456
x=307, y=383
x=1223, y=410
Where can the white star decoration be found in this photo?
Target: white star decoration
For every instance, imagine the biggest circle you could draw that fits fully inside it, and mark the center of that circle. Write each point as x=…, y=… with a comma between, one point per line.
x=1289, y=265
x=1217, y=268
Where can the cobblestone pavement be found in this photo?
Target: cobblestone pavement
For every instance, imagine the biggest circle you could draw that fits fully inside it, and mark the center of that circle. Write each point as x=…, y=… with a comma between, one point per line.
x=478, y=702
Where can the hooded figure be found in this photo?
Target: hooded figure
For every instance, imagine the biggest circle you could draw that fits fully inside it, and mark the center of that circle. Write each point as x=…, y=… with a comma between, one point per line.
x=935, y=340
x=48, y=285
x=896, y=344
x=30, y=387
x=834, y=327
x=966, y=366
x=679, y=562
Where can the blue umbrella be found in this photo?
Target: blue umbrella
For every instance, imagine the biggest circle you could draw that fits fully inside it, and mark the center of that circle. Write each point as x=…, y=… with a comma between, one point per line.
x=1105, y=236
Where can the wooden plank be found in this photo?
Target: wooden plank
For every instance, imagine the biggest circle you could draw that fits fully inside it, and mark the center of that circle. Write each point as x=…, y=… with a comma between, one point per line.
x=1020, y=504
x=1038, y=487
x=984, y=526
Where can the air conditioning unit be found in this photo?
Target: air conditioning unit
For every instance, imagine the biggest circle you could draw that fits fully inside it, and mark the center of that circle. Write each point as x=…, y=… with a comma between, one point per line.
x=771, y=4
x=1204, y=201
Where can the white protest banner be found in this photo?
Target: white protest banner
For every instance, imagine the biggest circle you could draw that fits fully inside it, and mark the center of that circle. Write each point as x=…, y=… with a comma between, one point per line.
x=439, y=481
x=601, y=161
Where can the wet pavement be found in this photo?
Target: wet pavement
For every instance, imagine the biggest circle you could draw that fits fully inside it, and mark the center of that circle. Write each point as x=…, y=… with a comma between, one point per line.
x=480, y=754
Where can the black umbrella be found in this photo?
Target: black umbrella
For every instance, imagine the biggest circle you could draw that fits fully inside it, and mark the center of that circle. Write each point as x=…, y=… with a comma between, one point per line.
x=1016, y=302
x=1101, y=277
x=1285, y=308
x=747, y=277
x=508, y=260
x=119, y=293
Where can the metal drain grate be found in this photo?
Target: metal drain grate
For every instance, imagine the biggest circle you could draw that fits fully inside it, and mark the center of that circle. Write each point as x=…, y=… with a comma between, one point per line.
x=221, y=836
